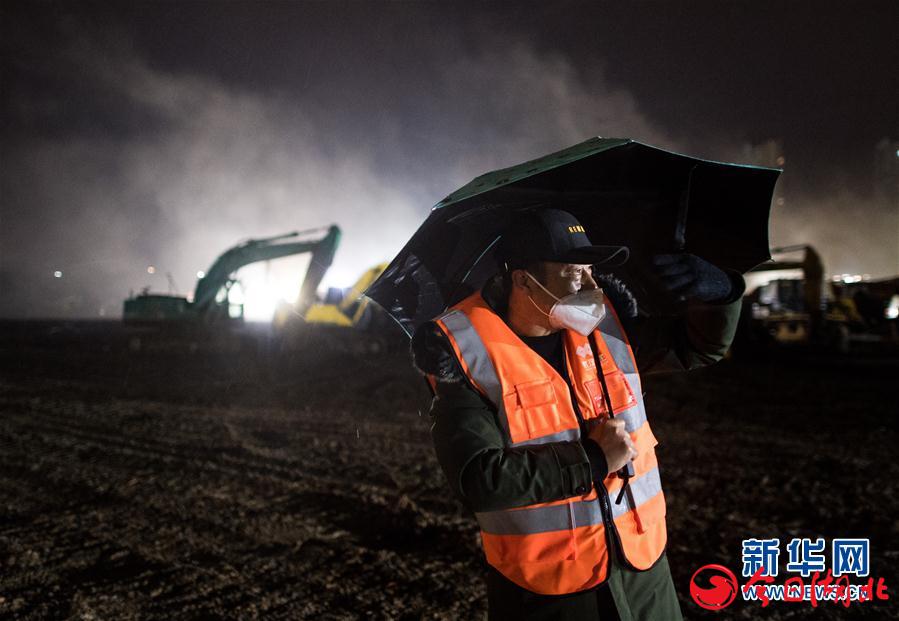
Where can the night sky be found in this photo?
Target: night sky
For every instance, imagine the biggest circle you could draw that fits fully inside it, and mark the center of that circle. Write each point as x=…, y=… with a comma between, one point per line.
x=162, y=133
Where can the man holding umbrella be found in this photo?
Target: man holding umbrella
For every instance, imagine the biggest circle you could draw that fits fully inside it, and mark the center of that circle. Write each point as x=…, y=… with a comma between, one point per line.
x=539, y=422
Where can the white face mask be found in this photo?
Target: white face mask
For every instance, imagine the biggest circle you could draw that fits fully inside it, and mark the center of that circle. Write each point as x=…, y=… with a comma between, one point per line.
x=581, y=311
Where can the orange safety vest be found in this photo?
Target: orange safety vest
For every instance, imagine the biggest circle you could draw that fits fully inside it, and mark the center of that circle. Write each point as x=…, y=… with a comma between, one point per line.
x=561, y=546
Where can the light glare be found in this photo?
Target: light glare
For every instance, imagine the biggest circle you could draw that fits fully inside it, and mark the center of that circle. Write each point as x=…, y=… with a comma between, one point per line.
x=892, y=310
x=268, y=284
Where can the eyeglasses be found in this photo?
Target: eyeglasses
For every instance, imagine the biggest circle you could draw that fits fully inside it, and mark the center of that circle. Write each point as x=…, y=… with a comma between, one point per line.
x=577, y=271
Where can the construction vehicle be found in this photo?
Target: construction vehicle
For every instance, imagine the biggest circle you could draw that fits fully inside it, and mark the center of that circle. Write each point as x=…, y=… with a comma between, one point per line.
x=347, y=308
x=875, y=304
x=345, y=319
x=210, y=303
x=789, y=302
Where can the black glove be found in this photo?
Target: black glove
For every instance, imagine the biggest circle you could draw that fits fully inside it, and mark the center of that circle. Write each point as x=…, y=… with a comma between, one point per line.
x=432, y=354
x=688, y=277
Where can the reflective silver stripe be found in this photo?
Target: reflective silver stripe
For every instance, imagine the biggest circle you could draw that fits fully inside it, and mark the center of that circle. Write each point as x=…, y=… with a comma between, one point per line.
x=476, y=358
x=541, y=519
x=568, y=435
x=643, y=489
x=633, y=417
x=566, y=516
x=640, y=416
x=617, y=344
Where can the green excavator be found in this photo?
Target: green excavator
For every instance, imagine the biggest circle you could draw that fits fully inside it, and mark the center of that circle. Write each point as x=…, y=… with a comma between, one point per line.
x=210, y=303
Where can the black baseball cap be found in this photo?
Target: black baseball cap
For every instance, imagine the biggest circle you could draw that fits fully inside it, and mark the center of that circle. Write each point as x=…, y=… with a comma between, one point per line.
x=554, y=235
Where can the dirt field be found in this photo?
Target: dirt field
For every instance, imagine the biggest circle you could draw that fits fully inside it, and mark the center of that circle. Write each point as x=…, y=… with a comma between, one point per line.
x=168, y=483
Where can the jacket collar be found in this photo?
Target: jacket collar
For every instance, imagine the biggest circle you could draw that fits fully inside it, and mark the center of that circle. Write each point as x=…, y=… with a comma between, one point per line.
x=495, y=297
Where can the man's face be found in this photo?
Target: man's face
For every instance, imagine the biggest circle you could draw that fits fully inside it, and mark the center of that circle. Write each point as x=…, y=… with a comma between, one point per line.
x=562, y=279
x=530, y=304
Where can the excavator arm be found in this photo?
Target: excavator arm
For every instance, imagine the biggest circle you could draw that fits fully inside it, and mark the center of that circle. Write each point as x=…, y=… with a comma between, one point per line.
x=220, y=274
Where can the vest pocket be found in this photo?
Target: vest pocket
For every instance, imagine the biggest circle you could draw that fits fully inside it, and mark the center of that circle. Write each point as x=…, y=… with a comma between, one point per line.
x=532, y=410
x=594, y=389
x=620, y=392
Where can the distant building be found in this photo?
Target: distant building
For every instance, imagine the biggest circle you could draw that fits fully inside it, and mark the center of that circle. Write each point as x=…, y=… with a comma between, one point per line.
x=886, y=170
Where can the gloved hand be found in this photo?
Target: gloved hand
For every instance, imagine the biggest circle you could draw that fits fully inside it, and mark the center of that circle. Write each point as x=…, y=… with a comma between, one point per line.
x=690, y=278
x=432, y=354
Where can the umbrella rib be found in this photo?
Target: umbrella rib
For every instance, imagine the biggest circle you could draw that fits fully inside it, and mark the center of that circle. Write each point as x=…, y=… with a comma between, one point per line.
x=476, y=262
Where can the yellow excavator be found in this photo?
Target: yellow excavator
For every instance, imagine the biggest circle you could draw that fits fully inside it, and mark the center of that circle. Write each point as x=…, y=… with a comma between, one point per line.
x=350, y=309
x=345, y=320
x=789, y=302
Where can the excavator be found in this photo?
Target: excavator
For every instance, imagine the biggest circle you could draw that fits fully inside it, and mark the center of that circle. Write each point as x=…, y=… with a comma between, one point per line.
x=788, y=302
x=348, y=309
x=344, y=320
x=210, y=304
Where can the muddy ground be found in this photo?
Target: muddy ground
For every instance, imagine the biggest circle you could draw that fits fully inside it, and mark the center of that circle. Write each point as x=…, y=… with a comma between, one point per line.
x=178, y=482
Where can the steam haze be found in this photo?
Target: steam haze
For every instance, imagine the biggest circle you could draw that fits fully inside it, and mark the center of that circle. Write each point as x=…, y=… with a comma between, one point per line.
x=119, y=153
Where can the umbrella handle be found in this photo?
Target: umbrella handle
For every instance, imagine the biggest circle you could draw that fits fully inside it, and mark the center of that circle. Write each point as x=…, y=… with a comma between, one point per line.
x=625, y=475
x=680, y=227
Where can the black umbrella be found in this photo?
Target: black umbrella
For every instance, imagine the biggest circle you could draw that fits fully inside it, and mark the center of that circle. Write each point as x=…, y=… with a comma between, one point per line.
x=622, y=191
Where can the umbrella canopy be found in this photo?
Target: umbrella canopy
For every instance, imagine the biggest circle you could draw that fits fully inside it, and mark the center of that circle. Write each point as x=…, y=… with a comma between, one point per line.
x=622, y=191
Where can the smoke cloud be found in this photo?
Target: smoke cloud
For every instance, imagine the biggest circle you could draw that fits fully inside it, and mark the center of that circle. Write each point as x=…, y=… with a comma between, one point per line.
x=854, y=234
x=192, y=165
x=123, y=163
